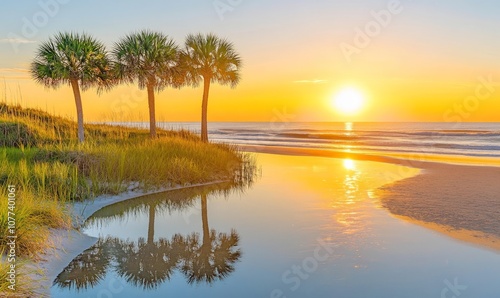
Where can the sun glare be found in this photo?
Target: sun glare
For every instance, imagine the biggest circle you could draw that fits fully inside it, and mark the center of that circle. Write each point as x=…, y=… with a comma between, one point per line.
x=349, y=164
x=348, y=101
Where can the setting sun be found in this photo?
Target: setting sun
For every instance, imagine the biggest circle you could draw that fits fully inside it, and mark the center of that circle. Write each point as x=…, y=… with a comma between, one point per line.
x=348, y=101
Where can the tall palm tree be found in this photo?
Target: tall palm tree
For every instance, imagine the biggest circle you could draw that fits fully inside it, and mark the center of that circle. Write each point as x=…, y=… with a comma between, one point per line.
x=150, y=59
x=75, y=59
x=210, y=59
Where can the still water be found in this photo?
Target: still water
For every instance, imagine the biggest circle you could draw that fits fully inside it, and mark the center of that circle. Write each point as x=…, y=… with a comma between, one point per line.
x=308, y=227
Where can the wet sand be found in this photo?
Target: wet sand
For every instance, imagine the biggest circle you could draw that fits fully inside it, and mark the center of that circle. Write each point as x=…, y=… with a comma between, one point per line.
x=461, y=201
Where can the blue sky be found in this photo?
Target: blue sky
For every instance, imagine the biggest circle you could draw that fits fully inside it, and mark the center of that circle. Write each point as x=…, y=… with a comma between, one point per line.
x=256, y=21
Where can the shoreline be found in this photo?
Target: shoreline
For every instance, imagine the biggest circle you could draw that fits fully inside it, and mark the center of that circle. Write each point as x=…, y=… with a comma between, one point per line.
x=424, y=161
x=459, y=200
x=68, y=244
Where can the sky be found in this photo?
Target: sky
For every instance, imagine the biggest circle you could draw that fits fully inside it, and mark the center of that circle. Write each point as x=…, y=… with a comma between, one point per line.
x=427, y=60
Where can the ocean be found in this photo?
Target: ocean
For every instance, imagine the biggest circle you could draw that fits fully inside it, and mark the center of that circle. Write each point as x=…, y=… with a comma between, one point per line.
x=450, y=139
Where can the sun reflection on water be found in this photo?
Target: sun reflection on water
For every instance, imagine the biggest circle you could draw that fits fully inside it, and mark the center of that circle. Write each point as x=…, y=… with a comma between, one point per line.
x=348, y=126
x=349, y=164
x=349, y=213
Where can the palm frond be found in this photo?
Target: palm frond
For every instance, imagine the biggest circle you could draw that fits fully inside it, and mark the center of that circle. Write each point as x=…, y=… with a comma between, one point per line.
x=71, y=56
x=147, y=57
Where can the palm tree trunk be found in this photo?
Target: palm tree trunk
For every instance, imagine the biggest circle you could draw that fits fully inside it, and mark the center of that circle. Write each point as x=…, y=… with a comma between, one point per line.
x=204, y=110
x=151, y=227
x=79, y=110
x=152, y=111
x=204, y=219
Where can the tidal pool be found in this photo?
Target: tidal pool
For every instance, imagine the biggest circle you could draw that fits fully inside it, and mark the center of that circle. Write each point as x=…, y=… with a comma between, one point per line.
x=309, y=227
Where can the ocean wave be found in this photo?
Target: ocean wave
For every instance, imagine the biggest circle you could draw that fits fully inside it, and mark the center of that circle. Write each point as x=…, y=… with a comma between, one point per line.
x=467, y=139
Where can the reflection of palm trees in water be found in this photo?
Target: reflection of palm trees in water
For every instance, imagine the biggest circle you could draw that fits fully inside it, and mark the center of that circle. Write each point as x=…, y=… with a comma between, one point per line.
x=87, y=269
x=212, y=260
x=148, y=263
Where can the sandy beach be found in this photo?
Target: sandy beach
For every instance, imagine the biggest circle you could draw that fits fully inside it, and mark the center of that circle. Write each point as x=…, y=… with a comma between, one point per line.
x=459, y=200
x=462, y=201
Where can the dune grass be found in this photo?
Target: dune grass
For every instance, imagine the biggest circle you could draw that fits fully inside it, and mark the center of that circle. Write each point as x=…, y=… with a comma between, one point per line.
x=41, y=156
x=34, y=216
x=22, y=127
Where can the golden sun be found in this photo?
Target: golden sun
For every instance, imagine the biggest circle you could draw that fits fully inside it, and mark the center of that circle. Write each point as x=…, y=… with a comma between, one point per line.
x=348, y=101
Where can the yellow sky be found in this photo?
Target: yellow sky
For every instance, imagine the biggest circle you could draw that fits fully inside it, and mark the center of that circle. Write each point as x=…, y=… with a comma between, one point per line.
x=264, y=99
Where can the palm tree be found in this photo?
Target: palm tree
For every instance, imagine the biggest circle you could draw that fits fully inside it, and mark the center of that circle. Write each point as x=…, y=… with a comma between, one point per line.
x=150, y=59
x=210, y=59
x=75, y=59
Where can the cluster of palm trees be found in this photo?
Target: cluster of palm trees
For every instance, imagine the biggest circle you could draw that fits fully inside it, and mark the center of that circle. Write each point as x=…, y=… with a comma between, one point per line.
x=150, y=59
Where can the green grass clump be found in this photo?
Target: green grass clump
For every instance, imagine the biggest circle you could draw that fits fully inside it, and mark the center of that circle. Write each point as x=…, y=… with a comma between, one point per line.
x=24, y=280
x=48, y=179
x=155, y=162
x=20, y=127
x=34, y=216
x=16, y=135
